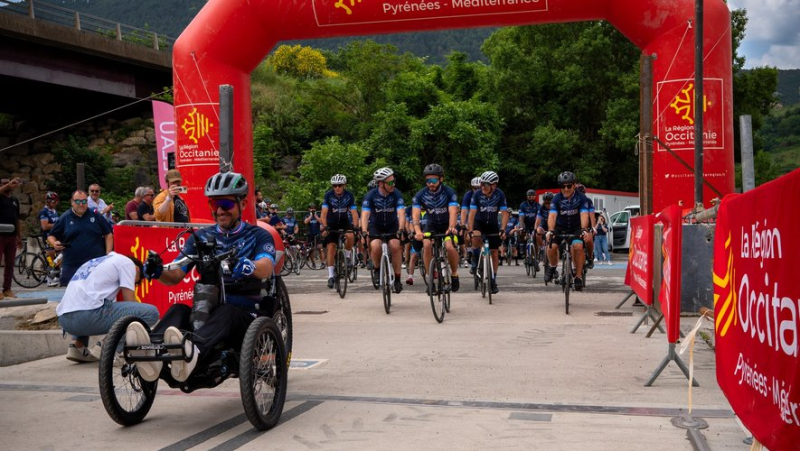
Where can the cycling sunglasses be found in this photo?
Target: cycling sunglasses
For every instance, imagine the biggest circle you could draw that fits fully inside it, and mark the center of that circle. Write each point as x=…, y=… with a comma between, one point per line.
x=338, y=186
x=567, y=186
x=81, y=201
x=389, y=183
x=432, y=181
x=224, y=204
x=487, y=184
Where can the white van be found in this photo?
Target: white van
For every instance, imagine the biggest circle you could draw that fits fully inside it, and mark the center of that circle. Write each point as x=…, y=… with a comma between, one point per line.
x=621, y=228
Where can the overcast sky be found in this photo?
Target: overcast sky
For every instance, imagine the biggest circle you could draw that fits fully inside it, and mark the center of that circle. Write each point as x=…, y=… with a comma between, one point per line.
x=772, y=37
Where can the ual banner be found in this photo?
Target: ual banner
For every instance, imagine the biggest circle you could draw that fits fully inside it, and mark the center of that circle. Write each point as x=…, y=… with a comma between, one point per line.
x=640, y=258
x=164, y=122
x=756, y=305
x=670, y=295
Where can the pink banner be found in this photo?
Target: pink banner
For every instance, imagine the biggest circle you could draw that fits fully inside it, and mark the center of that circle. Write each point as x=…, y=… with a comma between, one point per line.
x=670, y=296
x=164, y=124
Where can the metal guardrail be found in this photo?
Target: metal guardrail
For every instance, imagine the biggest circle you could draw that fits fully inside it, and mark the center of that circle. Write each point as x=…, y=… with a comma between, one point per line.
x=88, y=23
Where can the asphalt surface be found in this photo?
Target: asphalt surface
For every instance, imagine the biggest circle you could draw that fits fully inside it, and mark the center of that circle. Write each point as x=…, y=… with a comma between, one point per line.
x=518, y=374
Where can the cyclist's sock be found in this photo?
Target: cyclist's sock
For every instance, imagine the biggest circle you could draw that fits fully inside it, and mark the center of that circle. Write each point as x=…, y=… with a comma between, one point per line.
x=330, y=271
x=347, y=254
x=397, y=276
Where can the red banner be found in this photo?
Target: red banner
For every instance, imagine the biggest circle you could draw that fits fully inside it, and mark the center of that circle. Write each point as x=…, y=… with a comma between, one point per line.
x=137, y=240
x=670, y=295
x=640, y=258
x=757, y=310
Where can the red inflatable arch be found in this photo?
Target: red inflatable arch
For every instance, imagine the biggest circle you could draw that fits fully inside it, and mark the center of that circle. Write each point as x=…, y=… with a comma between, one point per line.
x=229, y=38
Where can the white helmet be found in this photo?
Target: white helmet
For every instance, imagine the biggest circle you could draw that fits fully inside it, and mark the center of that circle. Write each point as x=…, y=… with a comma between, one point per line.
x=338, y=179
x=490, y=177
x=382, y=174
x=476, y=182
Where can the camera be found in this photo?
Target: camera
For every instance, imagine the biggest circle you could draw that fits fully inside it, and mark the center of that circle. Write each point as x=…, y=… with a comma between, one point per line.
x=183, y=189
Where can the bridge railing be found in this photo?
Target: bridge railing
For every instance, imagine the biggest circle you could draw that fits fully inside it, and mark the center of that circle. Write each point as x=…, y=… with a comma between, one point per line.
x=88, y=23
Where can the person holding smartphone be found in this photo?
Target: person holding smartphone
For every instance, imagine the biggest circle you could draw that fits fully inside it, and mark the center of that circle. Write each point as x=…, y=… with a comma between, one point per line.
x=168, y=205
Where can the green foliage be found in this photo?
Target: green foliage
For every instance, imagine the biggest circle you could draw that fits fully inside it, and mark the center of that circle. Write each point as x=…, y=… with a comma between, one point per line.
x=789, y=86
x=764, y=167
x=75, y=150
x=753, y=92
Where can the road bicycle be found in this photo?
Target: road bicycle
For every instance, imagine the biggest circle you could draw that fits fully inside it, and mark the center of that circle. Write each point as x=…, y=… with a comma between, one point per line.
x=341, y=266
x=532, y=255
x=307, y=253
x=32, y=269
x=355, y=258
x=384, y=274
x=567, y=275
x=484, y=274
x=293, y=261
x=439, y=278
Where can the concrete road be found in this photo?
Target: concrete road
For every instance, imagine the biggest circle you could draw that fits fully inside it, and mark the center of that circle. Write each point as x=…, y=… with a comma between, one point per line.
x=519, y=374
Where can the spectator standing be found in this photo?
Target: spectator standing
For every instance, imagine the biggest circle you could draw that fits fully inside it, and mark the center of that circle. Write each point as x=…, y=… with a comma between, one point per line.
x=89, y=308
x=133, y=205
x=9, y=241
x=169, y=205
x=601, y=239
x=261, y=206
x=145, y=210
x=98, y=205
x=87, y=233
x=48, y=216
x=291, y=223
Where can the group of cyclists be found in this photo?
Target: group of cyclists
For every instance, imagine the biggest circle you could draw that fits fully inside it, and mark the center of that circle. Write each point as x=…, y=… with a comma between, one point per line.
x=482, y=213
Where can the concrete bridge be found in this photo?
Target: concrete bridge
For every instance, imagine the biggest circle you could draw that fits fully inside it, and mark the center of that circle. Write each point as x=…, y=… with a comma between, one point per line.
x=70, y=59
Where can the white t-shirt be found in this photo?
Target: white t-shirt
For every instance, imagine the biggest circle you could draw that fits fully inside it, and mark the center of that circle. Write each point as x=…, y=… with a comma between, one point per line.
x=97, y=280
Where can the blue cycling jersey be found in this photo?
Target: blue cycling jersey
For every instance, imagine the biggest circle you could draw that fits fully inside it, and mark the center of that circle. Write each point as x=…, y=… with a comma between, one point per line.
x=528, y=211
x=543, y=213
x=51, y=216
x=253, y=243
x=383, y=209
x=314, y=224
x=488, y=207
x=466, y=201
x=291, y=223
x=436, y=203
x=569, y=210
x=339, y=207
x=512, y=223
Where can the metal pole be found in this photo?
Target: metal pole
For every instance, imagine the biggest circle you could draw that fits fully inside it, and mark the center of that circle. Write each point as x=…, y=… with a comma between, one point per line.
x=746, y=142
x=30, y=10
x=646, y=135
x=225, y=128
x=698, y=103
x=80, y=183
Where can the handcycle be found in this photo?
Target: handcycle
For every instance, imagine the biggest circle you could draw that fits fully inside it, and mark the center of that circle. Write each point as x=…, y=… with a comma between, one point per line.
x=484, y=273
x=32, y=269
x=261, y=361
x=383, y=276
x=439, y=278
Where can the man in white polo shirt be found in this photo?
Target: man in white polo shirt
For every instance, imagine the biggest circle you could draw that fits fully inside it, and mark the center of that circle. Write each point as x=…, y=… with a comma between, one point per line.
x=89, y=308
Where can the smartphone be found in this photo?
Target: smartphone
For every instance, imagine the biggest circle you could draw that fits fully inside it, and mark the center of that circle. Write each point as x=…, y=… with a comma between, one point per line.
x=183, y=189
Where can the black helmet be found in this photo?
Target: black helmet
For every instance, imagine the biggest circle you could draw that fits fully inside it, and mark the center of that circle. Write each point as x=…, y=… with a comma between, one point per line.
x=226, y=184
x=312, y=205
x=548, y=196
x=580, y=188
x=531, y=192
x=566, y=177
x=433, y=169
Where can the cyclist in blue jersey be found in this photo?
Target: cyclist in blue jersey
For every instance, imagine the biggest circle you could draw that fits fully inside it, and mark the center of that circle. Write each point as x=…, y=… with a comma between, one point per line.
x=528, y=213
x=441, y=204
x=228, y=322
x=313, y=241
x=338, y=213
x=509, y=249
x=569, y=214
x=466, y=201
x=589, y=241
x=541, y=226
x=290, y=222
x=384, y=212
x=487, y=205
x=48, y=216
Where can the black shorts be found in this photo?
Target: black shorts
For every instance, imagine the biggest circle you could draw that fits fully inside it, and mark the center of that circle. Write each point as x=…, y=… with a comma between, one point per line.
x=375, y=230
x=560, y=231
x=416, y=245
x=333, y=237
x=489, y=228
x=438, y=229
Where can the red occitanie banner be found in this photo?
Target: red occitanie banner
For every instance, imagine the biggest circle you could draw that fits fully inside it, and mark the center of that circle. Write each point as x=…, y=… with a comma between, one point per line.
x=640, y=258
x=757, y=308
x=670, y=295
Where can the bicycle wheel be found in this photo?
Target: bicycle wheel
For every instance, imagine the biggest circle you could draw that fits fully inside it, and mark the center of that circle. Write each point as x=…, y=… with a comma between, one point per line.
x=386, y=286
x=263, y=374
x=126, y=396
x=486, y=258
x=341, y=273
x=534, y=259
x=435, y=290
x=374, y=275
x=287, y=265
x=30, y=270
x=567, y=283
x=448, y=282
x=283, y=316
x=479, y=275
x=490, y=273
x=528, y=260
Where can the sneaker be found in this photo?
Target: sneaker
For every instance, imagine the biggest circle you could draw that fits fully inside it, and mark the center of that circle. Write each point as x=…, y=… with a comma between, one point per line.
x=97, y=350
x=136, y=335
x=410, y=280
x=578, y=282
x=9, y=294
x=536, y=265
x=181, y=369
x=81, y=355
x=52, y=282
x=590, y=264
x=609, y=263
x=330, y=282
x=404, y=266
x=595, y=259
x=549, y=272
x=398, y=286
x=454, y=283
x=516, y=262
x=495, y=290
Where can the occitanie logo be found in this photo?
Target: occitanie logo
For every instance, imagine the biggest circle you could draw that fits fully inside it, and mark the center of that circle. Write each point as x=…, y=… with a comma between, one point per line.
x=683, y=104
x=347, y=9
x=196, y=126
x=727, y=312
